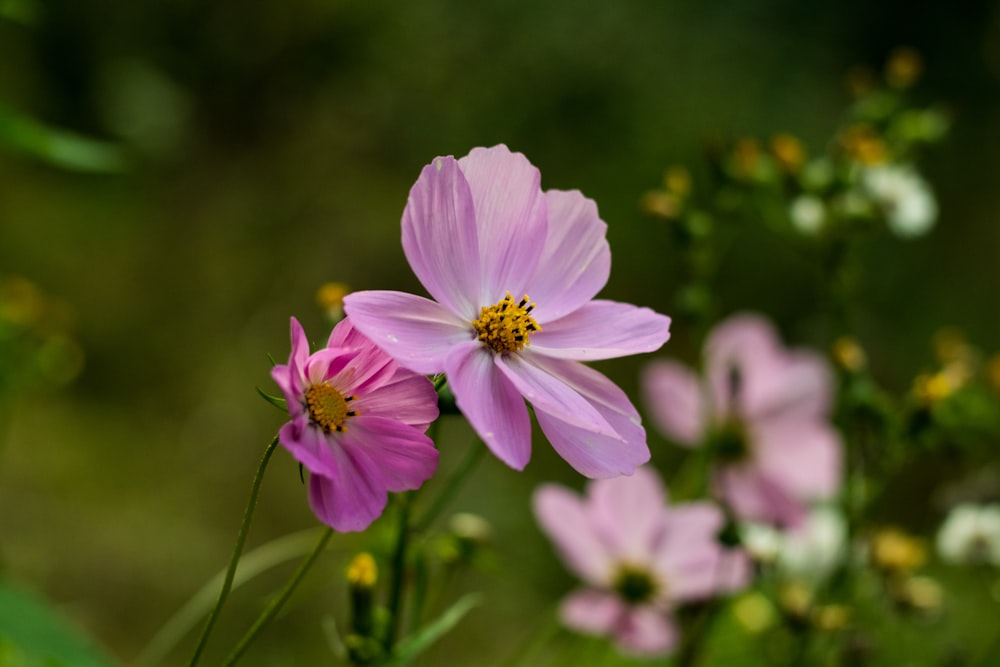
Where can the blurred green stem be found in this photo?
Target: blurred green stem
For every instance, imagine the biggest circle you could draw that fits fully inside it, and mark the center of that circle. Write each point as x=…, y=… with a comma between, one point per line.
x=276, y=603
x=241, y=539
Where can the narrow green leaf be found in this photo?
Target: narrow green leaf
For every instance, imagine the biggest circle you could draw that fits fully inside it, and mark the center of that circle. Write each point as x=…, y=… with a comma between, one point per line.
x=58, y=147
x=38, y=633
x=416, y=644
x=277, y=402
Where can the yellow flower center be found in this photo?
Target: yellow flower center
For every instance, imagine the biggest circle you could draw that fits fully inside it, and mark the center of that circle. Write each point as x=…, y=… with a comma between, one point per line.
x=328, y=407
x=507, y=325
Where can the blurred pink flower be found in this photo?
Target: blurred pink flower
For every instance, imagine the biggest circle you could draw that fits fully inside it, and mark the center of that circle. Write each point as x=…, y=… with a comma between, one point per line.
x=763, y=409
x=481, y=235
x=638, y=558
x=358, y=423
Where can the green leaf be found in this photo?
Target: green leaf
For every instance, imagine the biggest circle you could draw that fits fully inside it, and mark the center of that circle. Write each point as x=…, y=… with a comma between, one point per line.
x=253, y=563
x=416, y=644
x=38, y=634
x=58, y=147
x=279, y=403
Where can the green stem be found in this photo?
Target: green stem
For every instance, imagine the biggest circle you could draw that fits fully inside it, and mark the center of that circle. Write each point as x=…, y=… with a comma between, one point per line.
x=473, y=456
x=276, y=603
x=398, y=572
x=241, y=539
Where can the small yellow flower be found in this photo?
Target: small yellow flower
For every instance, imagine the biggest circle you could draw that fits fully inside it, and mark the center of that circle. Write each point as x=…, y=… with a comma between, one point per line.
x=894, y=551
x=362, y=572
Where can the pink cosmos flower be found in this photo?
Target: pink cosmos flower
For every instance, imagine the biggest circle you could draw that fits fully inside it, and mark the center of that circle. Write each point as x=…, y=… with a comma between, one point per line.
x=481, y=235
x=765, y=412
x=637, y=557
x=358, y=423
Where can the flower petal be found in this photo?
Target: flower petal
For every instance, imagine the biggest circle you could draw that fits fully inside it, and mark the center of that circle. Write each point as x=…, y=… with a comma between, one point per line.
x=646, y=631
x=673, y=395
x=415, y=331
x=566, y=519
x=551, y=395
x=576, y=260
x=491, y=404
x=310, y=445
x=510, y=216
x=440, y=238
x=593, y=454
x=753, y=496
x=628, y=511
x=406, y=397
x=602, y=330
x=740, y=352
x=591, y=612
x=352, y=498
x=803, y=456
x=404, y=456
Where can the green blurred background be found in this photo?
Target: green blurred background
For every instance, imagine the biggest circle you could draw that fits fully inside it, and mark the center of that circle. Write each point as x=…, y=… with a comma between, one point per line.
x=251, y=152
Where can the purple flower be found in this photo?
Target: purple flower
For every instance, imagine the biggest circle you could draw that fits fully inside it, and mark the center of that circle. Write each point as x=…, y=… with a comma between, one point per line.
x=763, y=409
x=358, y=423
x=481, y=236
x=637, y=557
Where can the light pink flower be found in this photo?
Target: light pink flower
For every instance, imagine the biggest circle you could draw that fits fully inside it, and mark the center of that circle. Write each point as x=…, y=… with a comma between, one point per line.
x=637, y=557
x=765, y=411
x=481, y=236
x=358, y=423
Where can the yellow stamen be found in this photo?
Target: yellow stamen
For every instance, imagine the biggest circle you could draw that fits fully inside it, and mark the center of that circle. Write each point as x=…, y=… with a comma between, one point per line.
x=328, y=407
x=507, y=325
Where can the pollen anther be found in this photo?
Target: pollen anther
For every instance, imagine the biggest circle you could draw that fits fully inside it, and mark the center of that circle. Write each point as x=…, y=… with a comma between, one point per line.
x=328, y=407
x=507, y=325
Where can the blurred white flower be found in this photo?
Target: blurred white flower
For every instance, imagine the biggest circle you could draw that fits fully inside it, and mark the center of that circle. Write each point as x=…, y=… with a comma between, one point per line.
x=906, y=199
x=807, y=213
x=971, y=534
x=809, y=553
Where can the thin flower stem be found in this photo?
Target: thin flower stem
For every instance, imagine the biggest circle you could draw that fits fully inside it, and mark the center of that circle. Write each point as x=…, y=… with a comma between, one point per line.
x=241, y=539
x=277, y=602
x=398, y=572
x=473, y=456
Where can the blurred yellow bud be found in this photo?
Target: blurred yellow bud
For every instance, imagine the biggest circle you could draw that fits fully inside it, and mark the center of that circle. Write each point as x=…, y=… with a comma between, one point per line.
x=894, y=551
x=993, y=371
x=754, y=613
x=862, y=144
x=330, y=297
x=831, y=617
x=849, y=355
x=950, y=345
x=746, y=156
x=903, y=68
x=795, y=599
x=788, y=151
x=362, y=572
x=922, y=594
x=677, y=180
x=661, y=204
x=21, y=301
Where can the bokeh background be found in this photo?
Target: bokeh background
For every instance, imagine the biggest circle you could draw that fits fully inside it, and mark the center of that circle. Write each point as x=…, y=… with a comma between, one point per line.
x=244, y=154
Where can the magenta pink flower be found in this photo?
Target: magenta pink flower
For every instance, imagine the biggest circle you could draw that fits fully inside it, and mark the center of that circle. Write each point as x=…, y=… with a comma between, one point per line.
x=637, y=557
x=481, y=236
x=358, y=423
x=765, y=412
